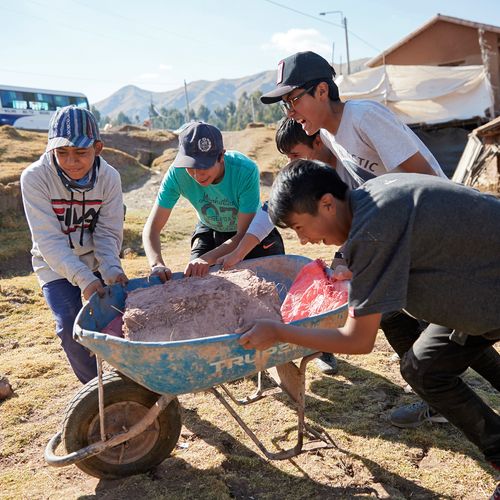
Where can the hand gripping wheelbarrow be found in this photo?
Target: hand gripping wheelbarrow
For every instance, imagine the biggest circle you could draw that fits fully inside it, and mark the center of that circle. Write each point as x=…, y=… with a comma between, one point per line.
x=128, y=421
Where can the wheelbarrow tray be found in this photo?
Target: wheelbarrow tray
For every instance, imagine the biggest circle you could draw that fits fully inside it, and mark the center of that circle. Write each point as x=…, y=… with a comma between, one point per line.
x=180, y=367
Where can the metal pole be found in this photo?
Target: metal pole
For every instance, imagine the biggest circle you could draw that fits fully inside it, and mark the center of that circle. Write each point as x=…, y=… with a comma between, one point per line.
x=187, y=102
x=347, y=47
x=344, y=22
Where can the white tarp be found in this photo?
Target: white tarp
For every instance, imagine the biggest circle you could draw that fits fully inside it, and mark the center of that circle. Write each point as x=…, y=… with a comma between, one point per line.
x=423, y=94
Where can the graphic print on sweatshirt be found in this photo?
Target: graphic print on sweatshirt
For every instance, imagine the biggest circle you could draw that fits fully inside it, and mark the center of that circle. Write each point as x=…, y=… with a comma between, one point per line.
x=70, y=214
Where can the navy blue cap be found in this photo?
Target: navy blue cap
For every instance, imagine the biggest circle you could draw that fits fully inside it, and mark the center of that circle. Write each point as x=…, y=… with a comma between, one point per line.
x=200, y=144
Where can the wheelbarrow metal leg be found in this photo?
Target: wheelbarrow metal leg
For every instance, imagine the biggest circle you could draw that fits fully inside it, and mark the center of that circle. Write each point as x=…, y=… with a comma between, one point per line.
x=291, y=379
x=256, y=396
x=100, y=392
x=281, y=455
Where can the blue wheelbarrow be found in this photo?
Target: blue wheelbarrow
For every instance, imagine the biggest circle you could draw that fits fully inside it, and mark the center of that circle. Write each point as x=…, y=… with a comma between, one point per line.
x=128, y=421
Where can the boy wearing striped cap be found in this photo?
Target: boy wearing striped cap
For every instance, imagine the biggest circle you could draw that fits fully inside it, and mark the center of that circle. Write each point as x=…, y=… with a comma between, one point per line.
x=74, y=206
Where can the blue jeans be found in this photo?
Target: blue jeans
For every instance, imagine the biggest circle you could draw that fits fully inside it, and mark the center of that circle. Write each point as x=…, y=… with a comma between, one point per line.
x=65, y=302
x=432, y=367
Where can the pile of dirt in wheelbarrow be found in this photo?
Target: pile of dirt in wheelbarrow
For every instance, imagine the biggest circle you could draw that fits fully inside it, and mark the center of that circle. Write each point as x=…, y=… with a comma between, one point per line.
x=189, y=308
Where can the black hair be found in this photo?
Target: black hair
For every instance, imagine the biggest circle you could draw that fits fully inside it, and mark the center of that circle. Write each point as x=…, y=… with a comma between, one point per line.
x=290, y=133
x=333, y=90
x=298, y=188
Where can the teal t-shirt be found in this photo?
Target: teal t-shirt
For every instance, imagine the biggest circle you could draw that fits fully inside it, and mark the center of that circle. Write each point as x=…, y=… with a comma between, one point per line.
x=217, y=205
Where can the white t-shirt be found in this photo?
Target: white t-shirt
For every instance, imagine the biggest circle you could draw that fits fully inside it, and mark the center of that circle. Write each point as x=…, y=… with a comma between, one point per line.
x=375, y=137
x=370, y=141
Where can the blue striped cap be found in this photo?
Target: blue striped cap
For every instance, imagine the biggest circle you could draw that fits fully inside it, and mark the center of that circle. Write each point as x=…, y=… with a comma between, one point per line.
x=72, y=126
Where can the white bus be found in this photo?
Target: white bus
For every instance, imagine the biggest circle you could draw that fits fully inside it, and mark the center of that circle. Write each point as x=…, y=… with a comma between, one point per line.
x=32, y=108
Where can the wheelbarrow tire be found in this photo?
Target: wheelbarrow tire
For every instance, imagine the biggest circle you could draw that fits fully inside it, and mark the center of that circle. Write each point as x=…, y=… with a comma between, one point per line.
x=125, y=403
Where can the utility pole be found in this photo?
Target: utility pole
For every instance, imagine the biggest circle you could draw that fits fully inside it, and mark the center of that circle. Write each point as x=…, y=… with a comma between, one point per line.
x=344, y=22
x=188, y=113
x=347, y=47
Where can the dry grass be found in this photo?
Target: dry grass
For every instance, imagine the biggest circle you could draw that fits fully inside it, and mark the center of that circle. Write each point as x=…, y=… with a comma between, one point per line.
x=18, y=148
x=215, y=459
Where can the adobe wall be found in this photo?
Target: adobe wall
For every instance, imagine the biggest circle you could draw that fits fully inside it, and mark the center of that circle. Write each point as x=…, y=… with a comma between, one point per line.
x=444, y=43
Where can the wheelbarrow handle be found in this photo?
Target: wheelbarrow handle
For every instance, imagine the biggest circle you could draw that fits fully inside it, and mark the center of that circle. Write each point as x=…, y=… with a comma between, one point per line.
x=72, y=458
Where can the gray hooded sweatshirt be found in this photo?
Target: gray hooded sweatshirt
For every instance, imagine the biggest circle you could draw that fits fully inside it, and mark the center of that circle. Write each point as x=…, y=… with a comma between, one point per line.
x=74, y=233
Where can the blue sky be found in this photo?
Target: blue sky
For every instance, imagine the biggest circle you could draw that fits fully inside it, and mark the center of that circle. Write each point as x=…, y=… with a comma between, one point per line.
x=98, y=46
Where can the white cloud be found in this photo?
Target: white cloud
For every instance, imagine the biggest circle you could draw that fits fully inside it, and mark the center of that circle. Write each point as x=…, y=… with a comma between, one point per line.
x=148, y=76
x=165, y=67
x=299, y=40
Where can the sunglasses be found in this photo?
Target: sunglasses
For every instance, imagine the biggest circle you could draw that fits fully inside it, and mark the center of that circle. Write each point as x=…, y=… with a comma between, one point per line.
x=289, y=105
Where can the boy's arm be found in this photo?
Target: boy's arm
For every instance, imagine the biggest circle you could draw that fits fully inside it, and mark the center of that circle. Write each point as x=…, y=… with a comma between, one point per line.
x=108, y=233
x=245, y=246
x=259, y=228
x=199, y=267
x=357, y=336
x=157, y=220
x=416, y=164
x=47, y=235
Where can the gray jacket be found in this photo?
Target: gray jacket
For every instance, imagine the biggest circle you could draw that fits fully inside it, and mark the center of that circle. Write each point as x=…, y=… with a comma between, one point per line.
x=74, y=234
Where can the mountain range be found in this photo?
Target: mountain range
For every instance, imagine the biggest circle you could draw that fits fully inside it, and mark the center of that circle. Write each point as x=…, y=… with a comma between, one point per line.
x=134, y=101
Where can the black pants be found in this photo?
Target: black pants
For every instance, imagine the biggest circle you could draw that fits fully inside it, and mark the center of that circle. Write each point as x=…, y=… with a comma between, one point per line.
x=433, y=366
x=402, y=331
x=205, y=239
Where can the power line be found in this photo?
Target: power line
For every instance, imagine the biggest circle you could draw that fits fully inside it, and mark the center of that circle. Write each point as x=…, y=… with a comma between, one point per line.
x=115, y=14
x=46, y=21
x=79, y=78
x=323, y=21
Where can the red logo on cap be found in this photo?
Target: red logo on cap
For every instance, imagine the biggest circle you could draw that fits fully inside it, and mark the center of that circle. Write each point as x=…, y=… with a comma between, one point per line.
x=281, y=67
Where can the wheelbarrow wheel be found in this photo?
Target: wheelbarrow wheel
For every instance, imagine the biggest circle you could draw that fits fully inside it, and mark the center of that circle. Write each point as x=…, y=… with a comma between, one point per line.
x=125, y=403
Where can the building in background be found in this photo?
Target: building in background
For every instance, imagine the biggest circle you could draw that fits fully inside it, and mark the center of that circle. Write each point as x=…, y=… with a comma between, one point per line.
x=449, y=41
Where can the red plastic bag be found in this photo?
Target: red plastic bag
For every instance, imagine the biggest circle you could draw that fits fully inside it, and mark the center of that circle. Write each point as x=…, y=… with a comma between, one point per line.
x=313, y=292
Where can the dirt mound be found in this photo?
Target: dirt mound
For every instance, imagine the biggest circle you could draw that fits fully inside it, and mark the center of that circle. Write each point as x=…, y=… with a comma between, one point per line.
x=131, y=128
x=255, y=125
x=165, y=160
x=258, y=144
x=144, y=145
x=9, y=132
x=190, y=308
x=131, y=171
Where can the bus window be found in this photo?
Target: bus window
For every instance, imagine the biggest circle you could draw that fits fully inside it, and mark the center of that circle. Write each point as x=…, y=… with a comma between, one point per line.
x=60, y=101
x=13, y=100
x=39, y=106
x=19, y=104
x=81, y=102
x=44, y=102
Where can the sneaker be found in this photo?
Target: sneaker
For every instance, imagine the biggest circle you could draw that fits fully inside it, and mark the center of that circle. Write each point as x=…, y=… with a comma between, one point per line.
x=414, y=415
x=496, y=493
x=394, y=358
x=327, y=363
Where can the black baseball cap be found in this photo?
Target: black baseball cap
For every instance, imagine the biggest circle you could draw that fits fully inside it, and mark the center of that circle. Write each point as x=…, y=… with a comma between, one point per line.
x=297, y=70
x=200, y=144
